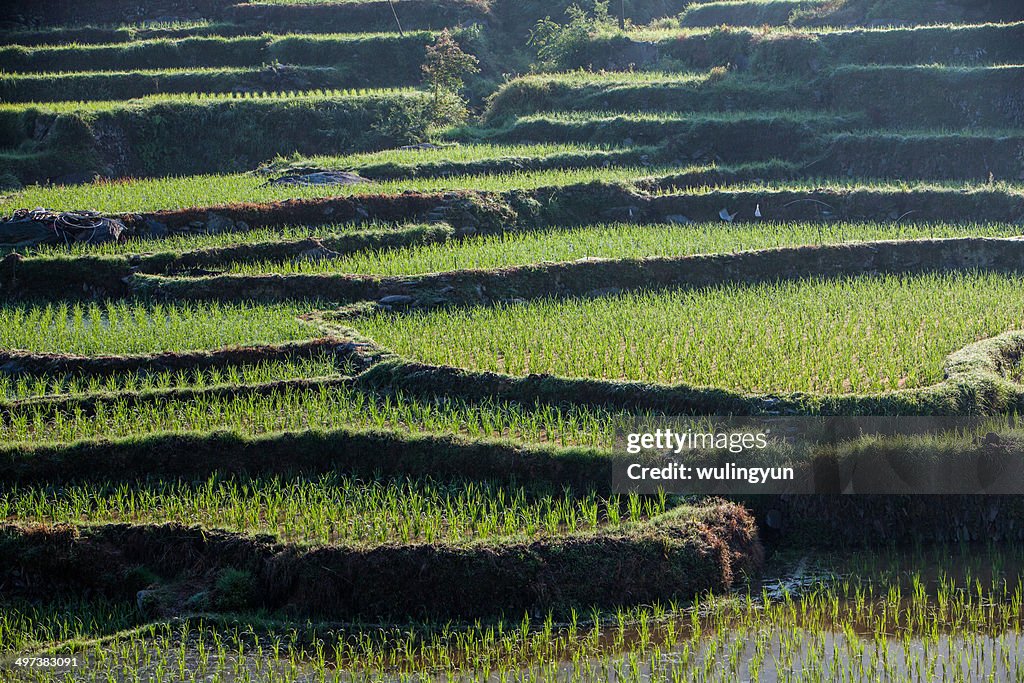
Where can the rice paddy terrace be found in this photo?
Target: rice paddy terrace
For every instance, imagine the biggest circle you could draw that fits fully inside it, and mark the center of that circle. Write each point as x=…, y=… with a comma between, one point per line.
x=340, y=402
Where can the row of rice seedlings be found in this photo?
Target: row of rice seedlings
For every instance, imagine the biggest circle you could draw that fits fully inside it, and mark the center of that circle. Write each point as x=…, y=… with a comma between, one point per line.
x=31, y=624
x=183, y=242
x=607, y=240
x=154, y=194
x=618, y=241
x=335, y=509
x=123, y=327
x=322, y=408
x=209, y=97
x=264, y=40
x=665, y=187
x=859, y=335
x=627, y=77
x=851, y=628
x=19, y=387
x=436, y=153
x=596, y=117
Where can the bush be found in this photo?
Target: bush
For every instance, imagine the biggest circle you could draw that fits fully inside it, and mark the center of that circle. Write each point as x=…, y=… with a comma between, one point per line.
x=234, y=591
x=556, y=44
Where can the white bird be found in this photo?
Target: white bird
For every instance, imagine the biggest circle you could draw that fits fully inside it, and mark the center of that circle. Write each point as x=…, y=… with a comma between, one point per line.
x=726, y=216
x=757, y=211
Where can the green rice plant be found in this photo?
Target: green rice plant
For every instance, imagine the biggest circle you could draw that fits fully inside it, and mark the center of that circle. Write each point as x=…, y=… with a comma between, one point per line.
x=186, y=242
x=617, y=241
x=468, y=159
x=320, y=408
x=857, y=335
x=855, y=616
x=85, y=86
x=101, y=106
x=208, y=190
x=127, y=327
x=19, y=387
x=405, y=52
x=333, y=509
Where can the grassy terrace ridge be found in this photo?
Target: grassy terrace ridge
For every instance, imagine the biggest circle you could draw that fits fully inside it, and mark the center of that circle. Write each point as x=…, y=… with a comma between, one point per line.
x=71, y=107
x=745, y=12
x=695, y=548
x=780, y=133
x=245, y=442
x=355, y=16
x=106, y=85
x=233, y=131
x=656, y=194
x=299, y=49
x=887, y=93
x=48, y=36
x=801, y=52
x=211, y=190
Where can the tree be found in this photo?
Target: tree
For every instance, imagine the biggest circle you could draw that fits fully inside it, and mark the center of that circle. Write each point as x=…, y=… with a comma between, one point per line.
x=445, y=71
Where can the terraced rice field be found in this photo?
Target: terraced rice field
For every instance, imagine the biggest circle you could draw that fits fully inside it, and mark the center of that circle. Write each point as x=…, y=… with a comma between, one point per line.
x=340, y=402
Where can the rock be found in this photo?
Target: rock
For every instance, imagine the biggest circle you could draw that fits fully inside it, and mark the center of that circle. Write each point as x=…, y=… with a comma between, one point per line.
x=200, y=602
x=216, y=224
x=396, y=300
x=155, y=228
x=147, y=602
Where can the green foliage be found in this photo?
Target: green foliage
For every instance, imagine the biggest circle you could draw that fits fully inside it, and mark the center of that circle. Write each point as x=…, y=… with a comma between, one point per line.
x=234, y=590
x=556, y=44
x=445, y=70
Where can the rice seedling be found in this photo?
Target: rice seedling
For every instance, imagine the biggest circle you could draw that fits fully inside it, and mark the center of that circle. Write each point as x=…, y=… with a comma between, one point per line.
x=618, y=241
x=20, y=387
x=333, y=509
x=208, y=190
x=320, y=408
x=154, y=194
x=127, y=327
x=204, y=98
x=869, y=619
x=185, y=242
x=858, y=335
